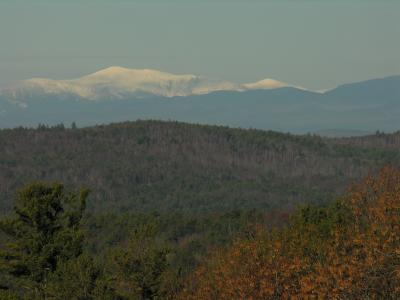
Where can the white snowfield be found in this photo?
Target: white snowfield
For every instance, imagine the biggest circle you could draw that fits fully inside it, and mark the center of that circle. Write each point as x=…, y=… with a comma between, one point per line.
x=118, y=83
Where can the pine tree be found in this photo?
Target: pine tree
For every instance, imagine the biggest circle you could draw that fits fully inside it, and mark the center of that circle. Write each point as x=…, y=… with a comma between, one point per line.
x=43, y=232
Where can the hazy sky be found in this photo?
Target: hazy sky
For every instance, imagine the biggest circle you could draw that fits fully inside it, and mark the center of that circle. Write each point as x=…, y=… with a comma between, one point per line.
x=316, y=44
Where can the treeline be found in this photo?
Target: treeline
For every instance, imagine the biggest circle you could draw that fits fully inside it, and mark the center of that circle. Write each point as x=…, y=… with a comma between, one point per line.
x=348, y=249
x=149, y=166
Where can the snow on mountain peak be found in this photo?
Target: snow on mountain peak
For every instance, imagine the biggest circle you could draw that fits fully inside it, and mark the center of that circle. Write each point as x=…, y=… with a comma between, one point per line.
x=267, y=83
x=118, y=82
x=136, y=74
x=144, y=80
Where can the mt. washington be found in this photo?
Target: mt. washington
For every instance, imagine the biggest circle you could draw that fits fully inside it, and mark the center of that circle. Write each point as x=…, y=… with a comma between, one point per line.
x=119, y=83
x=119, y=94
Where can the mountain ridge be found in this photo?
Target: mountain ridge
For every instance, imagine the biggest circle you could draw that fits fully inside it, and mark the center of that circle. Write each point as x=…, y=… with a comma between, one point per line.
x=119, y=82
x=365, y=106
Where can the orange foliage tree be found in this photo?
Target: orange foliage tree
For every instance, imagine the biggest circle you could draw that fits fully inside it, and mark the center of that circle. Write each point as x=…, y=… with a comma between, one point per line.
x=349, y=250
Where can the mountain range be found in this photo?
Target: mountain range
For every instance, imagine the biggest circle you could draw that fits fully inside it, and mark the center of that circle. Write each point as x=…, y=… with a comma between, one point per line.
x=119, y=94
x=120, y=83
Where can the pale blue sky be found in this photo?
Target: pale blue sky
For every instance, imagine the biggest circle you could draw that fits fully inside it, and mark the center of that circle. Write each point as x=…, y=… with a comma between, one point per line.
x=315, y=44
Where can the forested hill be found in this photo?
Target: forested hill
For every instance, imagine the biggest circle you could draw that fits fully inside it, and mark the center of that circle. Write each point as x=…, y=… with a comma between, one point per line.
x=148, y=166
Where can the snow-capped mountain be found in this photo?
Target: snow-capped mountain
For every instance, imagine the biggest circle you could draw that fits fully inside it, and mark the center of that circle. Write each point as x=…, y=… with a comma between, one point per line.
x=147, y=94
x=119, y=83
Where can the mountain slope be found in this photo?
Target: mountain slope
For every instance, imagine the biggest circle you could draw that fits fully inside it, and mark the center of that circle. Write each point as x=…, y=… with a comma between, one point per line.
x=370, y=92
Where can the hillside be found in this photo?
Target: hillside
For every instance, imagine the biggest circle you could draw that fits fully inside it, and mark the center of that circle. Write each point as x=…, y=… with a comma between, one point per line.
x=148, y=166
x=173, y=205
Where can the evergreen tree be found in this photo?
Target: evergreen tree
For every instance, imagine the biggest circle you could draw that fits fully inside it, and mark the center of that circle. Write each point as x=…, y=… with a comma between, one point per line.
x=140, y=269
x=43, y=233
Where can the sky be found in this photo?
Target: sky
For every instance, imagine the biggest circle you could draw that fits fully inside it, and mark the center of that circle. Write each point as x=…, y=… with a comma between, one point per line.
x=317, y=44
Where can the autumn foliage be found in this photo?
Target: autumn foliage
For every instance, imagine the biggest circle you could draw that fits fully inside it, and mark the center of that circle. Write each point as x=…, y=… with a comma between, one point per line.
x=349, y=250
